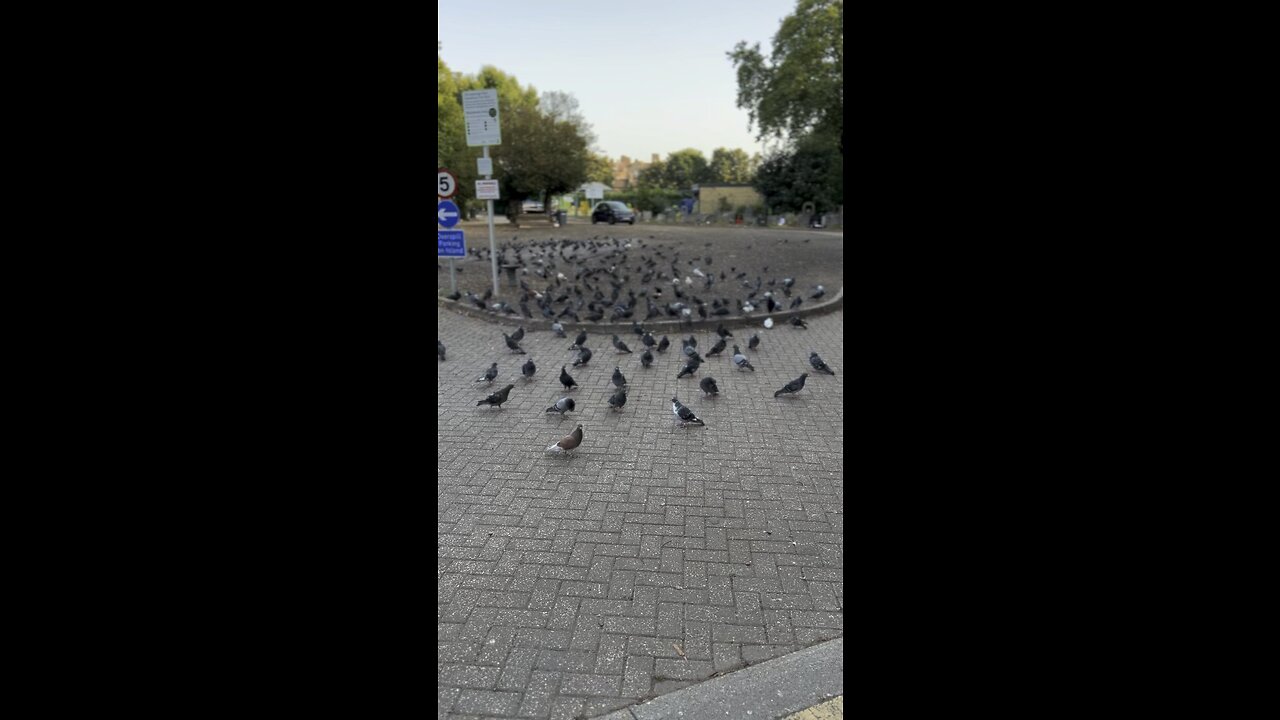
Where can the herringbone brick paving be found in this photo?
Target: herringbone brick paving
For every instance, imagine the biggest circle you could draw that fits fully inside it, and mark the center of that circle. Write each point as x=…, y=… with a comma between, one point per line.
x=651, y=557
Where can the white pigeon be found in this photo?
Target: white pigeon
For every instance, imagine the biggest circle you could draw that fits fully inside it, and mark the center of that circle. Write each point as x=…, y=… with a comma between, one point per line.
x=768, y=323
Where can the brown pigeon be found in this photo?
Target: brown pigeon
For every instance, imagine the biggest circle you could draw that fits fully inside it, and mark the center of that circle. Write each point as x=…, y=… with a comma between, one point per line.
x=568, y=442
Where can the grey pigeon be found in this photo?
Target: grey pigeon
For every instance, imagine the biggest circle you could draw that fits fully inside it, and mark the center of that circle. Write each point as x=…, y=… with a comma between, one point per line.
x=799, y=322
x=717, y=348
x=708, y=386
x=497, y=398
x=819, y=365
x=579, y=341
x=689, y=368
x=518, y=335
x=440, y=350
x=621, y=346
x=568, y=442
x=740, y=360
x=529, y=369
x=648, y=340
x=664, y=344
x=557, y=328
x=515, y=346
x=646, y=358
x=683, y=414
x=793, y=386
x=562, y=406
x=618, y=378
x=754, y=342
x=619, y=399
x=819, y=292
x=566, y=379
x=722, y=332
x=489, y=374
x=584, y=356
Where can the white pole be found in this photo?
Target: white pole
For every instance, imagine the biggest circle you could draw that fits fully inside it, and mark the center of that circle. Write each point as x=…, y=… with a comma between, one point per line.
x=493, y=246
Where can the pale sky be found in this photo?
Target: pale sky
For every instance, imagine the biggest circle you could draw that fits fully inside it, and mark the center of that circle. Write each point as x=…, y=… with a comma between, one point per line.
x=649, y=76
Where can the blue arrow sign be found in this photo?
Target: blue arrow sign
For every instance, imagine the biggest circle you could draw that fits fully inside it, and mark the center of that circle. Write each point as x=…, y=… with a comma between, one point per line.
x=452, y=243
x=447, y=213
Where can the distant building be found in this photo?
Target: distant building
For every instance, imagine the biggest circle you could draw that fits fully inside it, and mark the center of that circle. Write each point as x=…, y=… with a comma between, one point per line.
x=626, y=172
x=735, y=196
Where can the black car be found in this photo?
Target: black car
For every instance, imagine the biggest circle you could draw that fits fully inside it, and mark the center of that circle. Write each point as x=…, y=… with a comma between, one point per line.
x=613, y=212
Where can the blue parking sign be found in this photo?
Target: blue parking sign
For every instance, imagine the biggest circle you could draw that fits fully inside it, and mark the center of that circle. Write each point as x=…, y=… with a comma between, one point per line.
x=452, y=243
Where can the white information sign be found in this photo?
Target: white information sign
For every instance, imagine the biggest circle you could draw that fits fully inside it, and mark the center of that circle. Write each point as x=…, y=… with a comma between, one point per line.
x=487, y=190
x=480, y=113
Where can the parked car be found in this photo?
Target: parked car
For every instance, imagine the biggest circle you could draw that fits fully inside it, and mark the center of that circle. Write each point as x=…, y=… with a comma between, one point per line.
x=532, y=206
x=612, y=211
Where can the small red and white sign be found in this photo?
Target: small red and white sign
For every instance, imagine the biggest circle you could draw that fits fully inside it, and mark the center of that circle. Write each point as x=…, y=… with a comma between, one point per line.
x=448, y=184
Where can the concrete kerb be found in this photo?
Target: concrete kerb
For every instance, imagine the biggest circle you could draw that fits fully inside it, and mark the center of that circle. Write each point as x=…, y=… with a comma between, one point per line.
x=770, y=690
x=654, y=326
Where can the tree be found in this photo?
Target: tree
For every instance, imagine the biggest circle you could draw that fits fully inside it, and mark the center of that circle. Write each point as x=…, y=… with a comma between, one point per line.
x=800, y=90
x=731, y=166
x=808, y=172
x=680, y=171
x=544, y=142
x=600, y=169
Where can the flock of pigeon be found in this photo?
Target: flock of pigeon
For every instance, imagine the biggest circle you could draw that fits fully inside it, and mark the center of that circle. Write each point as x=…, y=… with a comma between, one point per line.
x=692, y=361
x=620, y=279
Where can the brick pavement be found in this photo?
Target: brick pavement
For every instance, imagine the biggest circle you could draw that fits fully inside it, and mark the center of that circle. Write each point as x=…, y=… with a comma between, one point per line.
x=652, y=557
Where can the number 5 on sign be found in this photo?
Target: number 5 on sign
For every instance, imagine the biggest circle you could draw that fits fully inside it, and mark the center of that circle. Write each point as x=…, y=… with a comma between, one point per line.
x=448, y=183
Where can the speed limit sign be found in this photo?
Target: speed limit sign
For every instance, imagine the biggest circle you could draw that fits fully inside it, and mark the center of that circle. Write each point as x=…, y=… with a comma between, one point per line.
x=448, y=184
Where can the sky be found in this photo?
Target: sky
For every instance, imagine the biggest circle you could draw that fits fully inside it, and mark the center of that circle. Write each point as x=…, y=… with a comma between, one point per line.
x=650, y=76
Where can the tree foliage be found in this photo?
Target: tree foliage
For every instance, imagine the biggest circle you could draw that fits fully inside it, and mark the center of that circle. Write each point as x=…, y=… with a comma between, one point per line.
x=808, y=172
x=800, y=88
x=545, y=140
x=731, y=166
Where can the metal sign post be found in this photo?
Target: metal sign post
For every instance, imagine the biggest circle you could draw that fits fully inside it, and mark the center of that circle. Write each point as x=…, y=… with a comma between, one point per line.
x=446, y=186
x=484, y=128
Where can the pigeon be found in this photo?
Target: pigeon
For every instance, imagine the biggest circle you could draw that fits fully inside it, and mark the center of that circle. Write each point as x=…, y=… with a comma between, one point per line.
x=799, y=322
x=440, y=350
x=819, y=365
x=717, y=348
x=708, y=386
x=646, y=358
x=557, y=328
x=819, y=292
x=497, y=398
x=621, y=346
x=529, y=369
x=579, y=341
x=618, y=378
x=664, y=344
x=511, y=343
x=568, y=442
x=683, y=414
x=619, y=399
x=793, y=386
x=518, y=335
x=562, y=406
x=740, y=360
x=768, y=323
x=489, y=374
x=753, y=343
x=584, y=356
x=648, y=340
x=566, y=379
x=722, y=332
x=689, y=368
